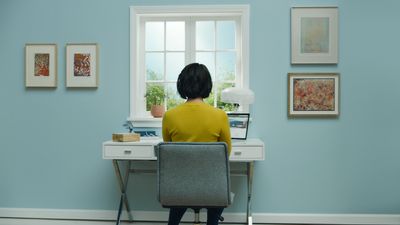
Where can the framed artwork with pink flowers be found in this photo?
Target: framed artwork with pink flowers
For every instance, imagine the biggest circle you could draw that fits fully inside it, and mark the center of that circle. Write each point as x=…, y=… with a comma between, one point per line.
x=82, y=65
x=313, y=94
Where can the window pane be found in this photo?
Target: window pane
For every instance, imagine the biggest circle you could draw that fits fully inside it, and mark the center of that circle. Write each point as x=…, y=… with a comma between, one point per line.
x=226, y=64
x=173, y=98
x=155, y=95
x=154, y=38
x=154, y=66
x=175, y=63
x=208, y=59
x=175, y=36
x=222, y=105
x=226, y=35
x=205, y=33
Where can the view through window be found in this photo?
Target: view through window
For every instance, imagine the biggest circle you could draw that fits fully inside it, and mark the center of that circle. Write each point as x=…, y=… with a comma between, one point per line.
x=165, y=49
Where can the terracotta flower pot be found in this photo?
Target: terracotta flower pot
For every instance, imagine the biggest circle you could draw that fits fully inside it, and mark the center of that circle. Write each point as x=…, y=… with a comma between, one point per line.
x=157, y=110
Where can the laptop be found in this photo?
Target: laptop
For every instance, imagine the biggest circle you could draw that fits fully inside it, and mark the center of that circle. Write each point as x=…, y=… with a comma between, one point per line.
x=239, y=125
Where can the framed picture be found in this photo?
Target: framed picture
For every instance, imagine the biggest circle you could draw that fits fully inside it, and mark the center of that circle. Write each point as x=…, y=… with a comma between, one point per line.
x=41, y=65
x=313, y=94
x=82, y=65
x=314, y=33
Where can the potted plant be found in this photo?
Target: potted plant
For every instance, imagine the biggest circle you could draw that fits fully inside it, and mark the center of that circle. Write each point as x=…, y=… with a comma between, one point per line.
x=155, y=96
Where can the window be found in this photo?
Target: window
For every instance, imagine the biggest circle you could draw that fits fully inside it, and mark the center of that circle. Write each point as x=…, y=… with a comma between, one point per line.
x=165, y=39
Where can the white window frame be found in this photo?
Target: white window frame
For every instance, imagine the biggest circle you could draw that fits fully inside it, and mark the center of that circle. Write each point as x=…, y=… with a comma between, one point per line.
x=138, y=15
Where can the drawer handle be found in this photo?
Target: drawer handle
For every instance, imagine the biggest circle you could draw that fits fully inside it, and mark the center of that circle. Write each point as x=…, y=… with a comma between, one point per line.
x=127, y=152
x=237, y=153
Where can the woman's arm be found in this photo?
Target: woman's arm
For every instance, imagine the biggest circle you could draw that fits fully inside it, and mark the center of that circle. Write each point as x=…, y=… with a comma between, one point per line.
x=225, y=132
x=165, y=134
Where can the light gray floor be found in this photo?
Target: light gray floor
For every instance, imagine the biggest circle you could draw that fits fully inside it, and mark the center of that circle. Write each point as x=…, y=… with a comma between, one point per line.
x=6, y=221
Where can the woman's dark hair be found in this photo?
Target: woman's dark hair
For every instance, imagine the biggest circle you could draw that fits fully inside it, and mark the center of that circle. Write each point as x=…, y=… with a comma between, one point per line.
x=194, y=81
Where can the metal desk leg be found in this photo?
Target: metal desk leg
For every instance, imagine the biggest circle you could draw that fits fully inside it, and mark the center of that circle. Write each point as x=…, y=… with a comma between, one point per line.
x=250, y=170
x=123, y=184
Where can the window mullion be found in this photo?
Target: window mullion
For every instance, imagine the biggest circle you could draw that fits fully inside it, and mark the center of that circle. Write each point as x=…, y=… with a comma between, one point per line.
x=239, y=56
x=191, y=42
x=215, y=63
x=165, y=51
x=165, y=64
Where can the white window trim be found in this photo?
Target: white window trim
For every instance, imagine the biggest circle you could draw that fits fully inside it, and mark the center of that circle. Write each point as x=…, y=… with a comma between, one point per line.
x=136, y=12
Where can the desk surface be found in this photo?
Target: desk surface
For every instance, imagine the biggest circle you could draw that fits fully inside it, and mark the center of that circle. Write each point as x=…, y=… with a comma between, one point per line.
x=251, y=149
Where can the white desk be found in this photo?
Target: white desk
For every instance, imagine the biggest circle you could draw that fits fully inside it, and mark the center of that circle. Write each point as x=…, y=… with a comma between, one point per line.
x=247, y=151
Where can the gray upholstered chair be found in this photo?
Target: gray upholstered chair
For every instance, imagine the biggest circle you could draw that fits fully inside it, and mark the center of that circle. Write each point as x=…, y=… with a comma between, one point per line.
x=193, y=175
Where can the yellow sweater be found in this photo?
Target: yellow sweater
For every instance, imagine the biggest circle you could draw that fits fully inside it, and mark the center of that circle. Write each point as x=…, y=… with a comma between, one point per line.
x=196, y=122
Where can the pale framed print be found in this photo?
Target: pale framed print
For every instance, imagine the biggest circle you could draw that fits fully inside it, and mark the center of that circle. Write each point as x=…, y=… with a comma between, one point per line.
x=82, y=65
x=314, y=35
x=313, y=94
x=41, y=65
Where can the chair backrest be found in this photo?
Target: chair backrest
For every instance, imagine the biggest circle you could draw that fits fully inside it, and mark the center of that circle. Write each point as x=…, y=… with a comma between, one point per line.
x=193, y=174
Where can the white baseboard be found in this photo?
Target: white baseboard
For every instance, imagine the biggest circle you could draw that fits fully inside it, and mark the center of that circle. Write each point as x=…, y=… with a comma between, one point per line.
x=292, y=218
x=18, y=216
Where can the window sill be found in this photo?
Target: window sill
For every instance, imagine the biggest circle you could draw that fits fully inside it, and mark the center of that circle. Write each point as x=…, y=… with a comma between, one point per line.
x=145, y=121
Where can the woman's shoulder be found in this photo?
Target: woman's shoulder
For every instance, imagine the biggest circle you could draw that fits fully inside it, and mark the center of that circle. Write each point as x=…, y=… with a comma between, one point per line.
x=175, y=111
x=171, y=111
x=216, y=111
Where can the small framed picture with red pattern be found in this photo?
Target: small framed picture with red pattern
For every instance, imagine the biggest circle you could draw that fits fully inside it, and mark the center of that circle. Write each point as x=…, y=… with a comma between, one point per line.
x=41, y=65
x=82, y=65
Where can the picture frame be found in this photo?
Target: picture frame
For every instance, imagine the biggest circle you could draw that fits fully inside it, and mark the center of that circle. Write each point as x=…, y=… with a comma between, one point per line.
x=238, y=125
x=40, y=65
x=313, y=94
x=82, y=65
x=314, y=35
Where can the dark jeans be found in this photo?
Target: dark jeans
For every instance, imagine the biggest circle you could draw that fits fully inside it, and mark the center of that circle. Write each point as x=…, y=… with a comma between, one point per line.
x=176, y=214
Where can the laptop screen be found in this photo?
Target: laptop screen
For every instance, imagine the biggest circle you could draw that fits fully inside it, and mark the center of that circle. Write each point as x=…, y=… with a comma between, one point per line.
x=239, y=123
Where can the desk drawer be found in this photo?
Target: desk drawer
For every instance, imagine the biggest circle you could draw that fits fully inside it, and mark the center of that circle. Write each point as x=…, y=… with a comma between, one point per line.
x=247, y=153
x=128, y=152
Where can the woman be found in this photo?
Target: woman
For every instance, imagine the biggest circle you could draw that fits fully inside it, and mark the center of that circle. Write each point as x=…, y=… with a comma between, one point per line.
x=195, y=121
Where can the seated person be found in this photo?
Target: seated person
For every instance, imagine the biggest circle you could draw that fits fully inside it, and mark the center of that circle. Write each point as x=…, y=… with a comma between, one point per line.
x=195, y=121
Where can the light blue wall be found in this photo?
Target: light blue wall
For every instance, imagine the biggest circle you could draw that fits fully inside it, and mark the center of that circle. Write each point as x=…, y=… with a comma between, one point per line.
x=51, y=138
